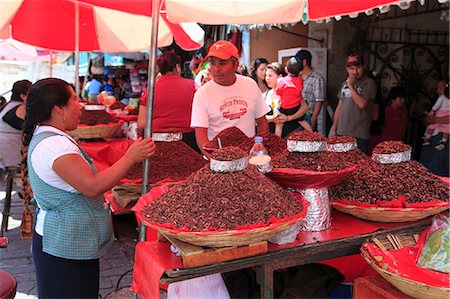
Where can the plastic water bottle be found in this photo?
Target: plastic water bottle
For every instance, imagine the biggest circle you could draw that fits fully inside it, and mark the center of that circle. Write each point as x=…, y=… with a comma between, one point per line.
x=259, y=156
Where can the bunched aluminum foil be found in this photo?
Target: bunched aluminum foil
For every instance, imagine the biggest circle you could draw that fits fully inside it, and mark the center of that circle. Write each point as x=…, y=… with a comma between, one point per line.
x=392, y=158
x=167, y=137
x=306, y=146
x=228, y=166
x=342, y=147
x=318, y=216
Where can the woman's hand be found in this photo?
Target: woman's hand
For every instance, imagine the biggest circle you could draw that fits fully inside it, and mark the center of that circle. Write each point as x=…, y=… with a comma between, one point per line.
x=141, y=149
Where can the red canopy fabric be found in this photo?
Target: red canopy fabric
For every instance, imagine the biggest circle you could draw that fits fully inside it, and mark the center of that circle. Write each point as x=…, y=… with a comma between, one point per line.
x=51, y=24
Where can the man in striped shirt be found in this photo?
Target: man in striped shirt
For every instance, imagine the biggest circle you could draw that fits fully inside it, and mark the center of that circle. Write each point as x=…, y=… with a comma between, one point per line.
x=313, y=89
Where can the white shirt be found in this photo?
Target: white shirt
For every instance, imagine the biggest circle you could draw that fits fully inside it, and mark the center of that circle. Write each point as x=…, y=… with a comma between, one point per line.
x=442, y=103
x=44, y=155
x=218, y=107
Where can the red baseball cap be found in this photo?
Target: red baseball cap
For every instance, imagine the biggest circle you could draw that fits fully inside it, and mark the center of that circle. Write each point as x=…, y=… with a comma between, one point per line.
x=223, y=49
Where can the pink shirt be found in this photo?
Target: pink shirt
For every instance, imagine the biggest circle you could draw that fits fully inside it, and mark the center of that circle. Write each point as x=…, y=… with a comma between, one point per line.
x=172, y=104
x=290, y=91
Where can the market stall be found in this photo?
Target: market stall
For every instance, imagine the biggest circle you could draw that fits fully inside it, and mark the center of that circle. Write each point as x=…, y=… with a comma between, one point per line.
x=357, y=179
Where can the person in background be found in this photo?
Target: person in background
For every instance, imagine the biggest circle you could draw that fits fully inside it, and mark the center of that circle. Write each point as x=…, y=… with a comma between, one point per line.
x=12, y=116
x=228, y=100
x=289, y=89
x=93, y=88
x=353, y=114
x=395, y=116
x=440, y=109
x=274, y=72
x=107, y=86
x=73, y=224
x=258, y=73
x=2, y=102
x=242, y=70
x=172, y=102
x=313, y=89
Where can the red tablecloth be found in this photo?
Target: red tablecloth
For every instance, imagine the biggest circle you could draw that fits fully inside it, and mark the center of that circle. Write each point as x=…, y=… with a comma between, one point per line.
x=153, y=257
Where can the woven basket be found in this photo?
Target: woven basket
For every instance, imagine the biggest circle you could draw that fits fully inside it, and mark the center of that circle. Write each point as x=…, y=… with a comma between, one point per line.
x=228, y=238
x=389, y=214
x=409, y=287
x=97, y=131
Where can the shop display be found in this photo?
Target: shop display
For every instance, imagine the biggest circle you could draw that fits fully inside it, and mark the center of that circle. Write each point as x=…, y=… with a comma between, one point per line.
x=96, y=117
x=95, y=122
x=230, y=136
x=310, y=174
x=240, y=206
x=390, y=190
x=174, y=160
x=341, y=144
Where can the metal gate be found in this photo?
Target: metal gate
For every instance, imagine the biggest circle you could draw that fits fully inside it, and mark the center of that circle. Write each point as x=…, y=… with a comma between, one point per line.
x=413, y=59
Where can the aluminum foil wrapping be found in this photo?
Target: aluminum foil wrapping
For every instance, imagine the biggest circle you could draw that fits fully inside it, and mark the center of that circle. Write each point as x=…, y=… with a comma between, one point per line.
x=130, y=130
x=306, y=146
x=228, y=166
x=167, y=137
x=318, y=216
x=264, y=167
x=94, y=107
x=342, y=147
x=392, y=158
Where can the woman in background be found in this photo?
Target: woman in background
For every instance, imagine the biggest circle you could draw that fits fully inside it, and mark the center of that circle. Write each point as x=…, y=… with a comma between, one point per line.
x=172, y=102
x=11, y=121
x=73, y=225
x=258, y=73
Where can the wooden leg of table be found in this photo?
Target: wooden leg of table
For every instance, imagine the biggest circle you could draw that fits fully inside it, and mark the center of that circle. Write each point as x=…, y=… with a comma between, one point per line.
x=264, y=276
x=7, y=203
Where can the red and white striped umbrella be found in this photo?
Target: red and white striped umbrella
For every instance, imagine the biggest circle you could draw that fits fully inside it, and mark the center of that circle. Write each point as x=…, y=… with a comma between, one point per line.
x=272, y=11
x=51, y=24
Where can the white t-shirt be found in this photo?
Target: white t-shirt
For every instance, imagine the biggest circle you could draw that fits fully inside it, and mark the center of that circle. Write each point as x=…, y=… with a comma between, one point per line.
x=42, y=159
x=218, y=107
x=442, y=103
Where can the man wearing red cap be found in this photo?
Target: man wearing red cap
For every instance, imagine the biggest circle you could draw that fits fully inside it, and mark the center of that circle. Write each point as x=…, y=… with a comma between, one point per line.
x=228, y=100
x=353, y=114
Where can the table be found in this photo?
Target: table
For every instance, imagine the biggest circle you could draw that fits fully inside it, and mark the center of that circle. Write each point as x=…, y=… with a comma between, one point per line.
x=155, y=264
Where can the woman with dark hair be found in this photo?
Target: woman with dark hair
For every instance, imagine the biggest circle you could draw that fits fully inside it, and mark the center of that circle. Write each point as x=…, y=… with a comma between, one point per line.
x=11, y=122
x=73, y=225
x=172, y=102
x=274, y=72
x=258, y=73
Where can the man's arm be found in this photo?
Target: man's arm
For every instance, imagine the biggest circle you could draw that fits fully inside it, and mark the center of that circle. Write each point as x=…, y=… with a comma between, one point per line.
x=201, y=136
x=317, y=108
x=336, y=118
x=262, y=124
x=360, y=100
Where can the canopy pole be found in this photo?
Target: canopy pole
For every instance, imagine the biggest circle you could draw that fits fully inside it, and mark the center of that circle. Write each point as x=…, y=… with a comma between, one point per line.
x=51, y=63
x=156, y=6
x=77, y=48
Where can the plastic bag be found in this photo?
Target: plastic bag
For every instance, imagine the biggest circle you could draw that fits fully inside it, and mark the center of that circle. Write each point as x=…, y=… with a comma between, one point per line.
x=288, y=235
x=435, y=254
x=205, y=287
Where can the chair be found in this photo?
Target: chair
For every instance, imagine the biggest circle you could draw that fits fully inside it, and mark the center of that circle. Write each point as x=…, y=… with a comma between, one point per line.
x=8, y=285
x=10, y=173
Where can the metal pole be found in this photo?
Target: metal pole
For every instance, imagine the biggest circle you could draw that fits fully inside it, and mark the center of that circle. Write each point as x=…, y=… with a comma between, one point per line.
x=51, y=63
x=77, y=48
x=156, y=6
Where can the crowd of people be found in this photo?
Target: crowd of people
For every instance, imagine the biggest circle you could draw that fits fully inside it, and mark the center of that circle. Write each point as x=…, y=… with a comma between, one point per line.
x=270, y=98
